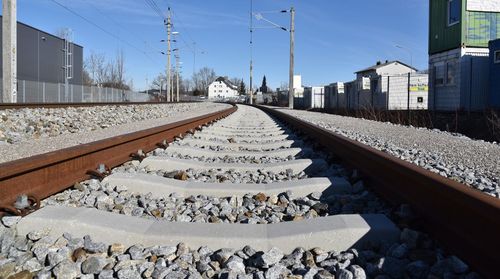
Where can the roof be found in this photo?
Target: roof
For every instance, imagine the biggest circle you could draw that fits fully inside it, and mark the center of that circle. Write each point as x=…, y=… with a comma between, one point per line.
x=227, y=82
x=375, y=67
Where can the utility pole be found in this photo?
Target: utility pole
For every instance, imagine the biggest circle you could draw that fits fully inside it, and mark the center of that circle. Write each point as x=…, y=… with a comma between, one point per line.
x=251, y=52
x=171, y=84
x=169, y=26
x=177, y=76
x=291, y=90
x=9, y=51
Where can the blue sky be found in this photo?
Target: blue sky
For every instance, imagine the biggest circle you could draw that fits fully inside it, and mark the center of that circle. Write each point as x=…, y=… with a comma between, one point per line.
x=333, y=38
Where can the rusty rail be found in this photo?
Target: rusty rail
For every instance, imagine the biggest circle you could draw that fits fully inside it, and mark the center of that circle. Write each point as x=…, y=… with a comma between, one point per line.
x=43, y=175
x=464, y=220
x=4, y=106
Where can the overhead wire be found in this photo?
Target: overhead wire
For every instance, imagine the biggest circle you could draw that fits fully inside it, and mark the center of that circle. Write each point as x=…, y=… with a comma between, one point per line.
x=121, y=26
x=102, y=29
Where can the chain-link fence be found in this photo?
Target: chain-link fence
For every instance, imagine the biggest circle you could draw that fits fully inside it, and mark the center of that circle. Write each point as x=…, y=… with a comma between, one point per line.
x=46, y=92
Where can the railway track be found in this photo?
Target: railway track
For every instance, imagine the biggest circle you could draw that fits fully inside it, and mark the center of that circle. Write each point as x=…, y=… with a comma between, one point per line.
x=247, y=183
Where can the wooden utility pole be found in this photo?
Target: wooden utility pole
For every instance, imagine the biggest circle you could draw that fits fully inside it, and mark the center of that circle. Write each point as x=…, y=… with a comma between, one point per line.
x=9, y=51
x=169, y=30
x=291, y=90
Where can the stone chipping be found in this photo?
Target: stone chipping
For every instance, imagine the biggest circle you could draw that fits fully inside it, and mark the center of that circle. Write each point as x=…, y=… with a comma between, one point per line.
x=473, y=162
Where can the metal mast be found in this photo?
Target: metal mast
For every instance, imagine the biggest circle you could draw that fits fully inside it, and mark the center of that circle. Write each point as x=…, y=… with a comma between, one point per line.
x=291, y=90
x=251, y=52
x=169, y=26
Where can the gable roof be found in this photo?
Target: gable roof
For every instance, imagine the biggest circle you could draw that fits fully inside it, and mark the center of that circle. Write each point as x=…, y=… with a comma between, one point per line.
x=227, y=82
x=375, y=67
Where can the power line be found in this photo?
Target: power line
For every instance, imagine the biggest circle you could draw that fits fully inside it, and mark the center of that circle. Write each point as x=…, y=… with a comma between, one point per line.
x=101, y=28
x=121, y=26
x=152, y=4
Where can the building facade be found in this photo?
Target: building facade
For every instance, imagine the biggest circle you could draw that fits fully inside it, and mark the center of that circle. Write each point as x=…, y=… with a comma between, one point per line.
x=222, y=88
x=494, y=96
x=459, y=33
x=41, y=56
x=314, y=97
x=392, y=85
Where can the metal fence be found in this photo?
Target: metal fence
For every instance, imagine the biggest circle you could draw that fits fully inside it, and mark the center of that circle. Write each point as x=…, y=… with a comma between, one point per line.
x=46, y=92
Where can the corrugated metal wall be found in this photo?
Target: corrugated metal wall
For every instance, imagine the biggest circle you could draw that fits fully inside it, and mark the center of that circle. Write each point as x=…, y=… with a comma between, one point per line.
x=494, y=94
x=441, y=36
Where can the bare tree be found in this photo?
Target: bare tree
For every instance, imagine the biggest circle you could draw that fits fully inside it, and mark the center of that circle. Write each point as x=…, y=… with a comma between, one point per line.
x=120, y=67
x=203, y=78
x=160, y=81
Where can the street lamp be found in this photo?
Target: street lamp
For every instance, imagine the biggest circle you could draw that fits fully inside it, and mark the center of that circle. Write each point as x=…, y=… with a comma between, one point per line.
x=409, y=52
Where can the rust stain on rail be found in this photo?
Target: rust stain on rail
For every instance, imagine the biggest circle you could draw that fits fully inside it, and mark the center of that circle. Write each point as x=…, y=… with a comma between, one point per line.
x=463, y=219
x=46, y=174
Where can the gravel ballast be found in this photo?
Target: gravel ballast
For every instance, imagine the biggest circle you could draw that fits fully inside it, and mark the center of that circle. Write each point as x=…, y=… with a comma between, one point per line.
x=473, y=162
x=28, y=132
x=38, y=255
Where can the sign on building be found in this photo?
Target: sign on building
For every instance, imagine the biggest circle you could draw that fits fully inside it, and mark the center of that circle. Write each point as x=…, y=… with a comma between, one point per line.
x=365, y=83
x=340, y=88
x=483, y=5
x=419, y=87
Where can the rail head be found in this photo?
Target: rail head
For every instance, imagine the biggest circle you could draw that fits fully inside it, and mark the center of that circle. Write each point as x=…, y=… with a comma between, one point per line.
x=49, y=173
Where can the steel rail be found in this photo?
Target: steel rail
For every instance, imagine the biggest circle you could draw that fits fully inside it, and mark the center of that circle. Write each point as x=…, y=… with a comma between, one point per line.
x=43, y=175
x=462, y=219
x=4, y=106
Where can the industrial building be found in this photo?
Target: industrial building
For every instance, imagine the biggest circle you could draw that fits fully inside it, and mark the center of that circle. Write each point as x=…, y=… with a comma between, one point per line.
x=494, y=94
x=392, y=85
x=42, y=57
x=459, y=33
x=314, y=97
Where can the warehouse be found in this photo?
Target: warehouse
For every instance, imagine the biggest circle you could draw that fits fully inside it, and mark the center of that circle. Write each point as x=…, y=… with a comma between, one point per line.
x=314, y=97
x=392, y=85
x=335, y=97
x=41, y=56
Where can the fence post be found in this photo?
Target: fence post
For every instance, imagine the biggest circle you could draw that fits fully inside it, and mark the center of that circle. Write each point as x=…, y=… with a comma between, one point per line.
x=388, y=91
x=408, y=100
x=72, y=92
x=43, y=92
x=24, y=91
x=470, y=85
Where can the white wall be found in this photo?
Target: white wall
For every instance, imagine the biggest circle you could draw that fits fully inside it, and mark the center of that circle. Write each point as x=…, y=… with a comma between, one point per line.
x=219, y=89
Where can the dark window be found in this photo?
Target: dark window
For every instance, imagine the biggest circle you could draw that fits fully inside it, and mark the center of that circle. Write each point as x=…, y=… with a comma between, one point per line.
x=420, y=99
x=497, y=56
x=454, y=10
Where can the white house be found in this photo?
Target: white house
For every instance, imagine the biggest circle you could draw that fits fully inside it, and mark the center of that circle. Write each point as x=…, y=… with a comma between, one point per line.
x=222, y=88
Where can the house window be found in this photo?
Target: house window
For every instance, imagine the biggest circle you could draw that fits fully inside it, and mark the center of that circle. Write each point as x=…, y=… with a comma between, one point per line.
x=451, y=72
x=420, y=99
x=497, y=56
x=439, y=75
x=454, y=11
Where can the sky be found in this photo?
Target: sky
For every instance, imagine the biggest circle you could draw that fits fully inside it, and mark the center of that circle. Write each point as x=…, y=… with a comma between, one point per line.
x=333, y=38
